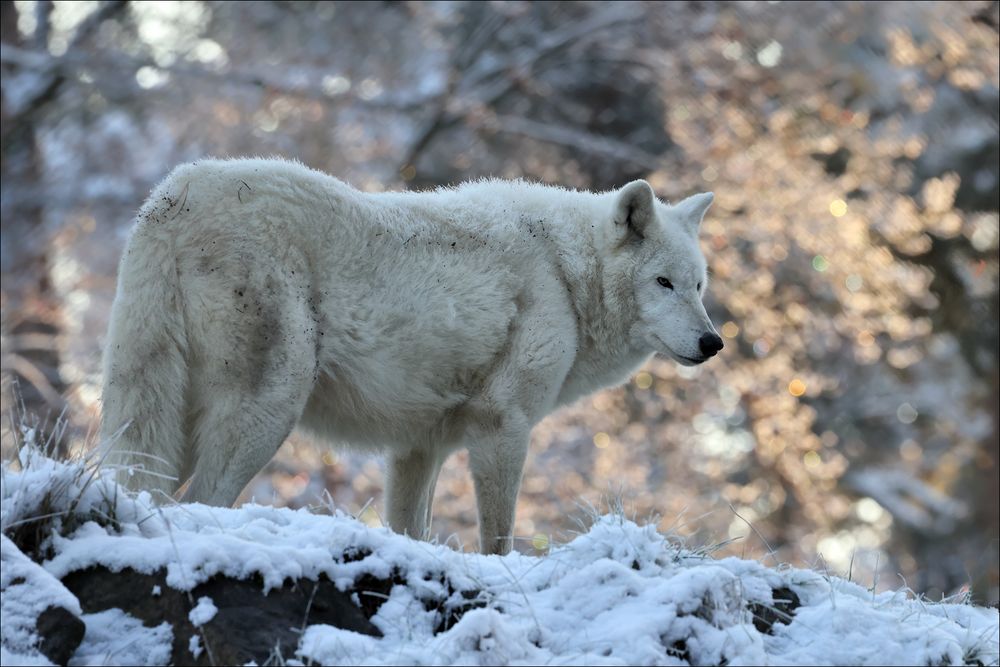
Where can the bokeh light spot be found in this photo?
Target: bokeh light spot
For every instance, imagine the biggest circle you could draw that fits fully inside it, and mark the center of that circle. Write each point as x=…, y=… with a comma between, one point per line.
x=335, y=85
x=906, y=413
x=869, y=510
x=730, y=330
x=540, y=542
x=838, y=208
x=811, y=459
x=602, y=440
x=150, y=77
x=643, y=380
x=796, y=387
x=820, y=263
x=770, y=55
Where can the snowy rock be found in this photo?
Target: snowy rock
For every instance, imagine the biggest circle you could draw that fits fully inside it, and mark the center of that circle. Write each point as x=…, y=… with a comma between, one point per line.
x=40, y=617
x=229, y=621
x=60, y=634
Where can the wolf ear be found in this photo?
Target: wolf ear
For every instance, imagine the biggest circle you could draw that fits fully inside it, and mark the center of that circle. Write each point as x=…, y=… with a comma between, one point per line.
x=635, y=209
x=692, y=210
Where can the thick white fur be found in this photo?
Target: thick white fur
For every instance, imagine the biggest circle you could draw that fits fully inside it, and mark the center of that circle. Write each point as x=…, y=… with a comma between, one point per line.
x=259, y=295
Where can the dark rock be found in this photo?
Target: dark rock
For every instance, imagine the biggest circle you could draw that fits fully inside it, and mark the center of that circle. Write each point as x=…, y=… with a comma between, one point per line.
x=60, y=633
x=785, y=604
x=372, y=591
x=249, y=625
x=678, y=649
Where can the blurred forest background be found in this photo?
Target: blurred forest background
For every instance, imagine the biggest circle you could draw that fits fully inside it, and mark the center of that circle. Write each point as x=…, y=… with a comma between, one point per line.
x=851, y=424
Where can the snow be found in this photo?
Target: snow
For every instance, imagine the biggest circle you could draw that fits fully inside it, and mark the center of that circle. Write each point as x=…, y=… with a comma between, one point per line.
x=194, y=645
x=619, y=593
x=203, y=612
x=27, y=591
x=116, y=638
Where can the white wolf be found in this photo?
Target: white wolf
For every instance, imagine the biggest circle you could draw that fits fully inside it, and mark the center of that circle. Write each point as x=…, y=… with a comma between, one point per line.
x=255, y=296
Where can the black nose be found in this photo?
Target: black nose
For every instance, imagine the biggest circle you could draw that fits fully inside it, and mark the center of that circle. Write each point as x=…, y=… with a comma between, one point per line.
x=710, y=344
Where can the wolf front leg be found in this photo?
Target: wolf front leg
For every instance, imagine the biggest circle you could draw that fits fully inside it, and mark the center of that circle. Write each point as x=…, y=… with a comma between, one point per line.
x=410, y=481
x=496, y=458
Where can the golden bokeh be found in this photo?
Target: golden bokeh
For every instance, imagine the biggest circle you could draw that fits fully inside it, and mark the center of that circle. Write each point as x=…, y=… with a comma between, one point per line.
x=812, y=459
x=643, y=380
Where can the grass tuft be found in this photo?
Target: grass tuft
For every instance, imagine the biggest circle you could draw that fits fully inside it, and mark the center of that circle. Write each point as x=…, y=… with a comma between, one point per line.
x=57, y=492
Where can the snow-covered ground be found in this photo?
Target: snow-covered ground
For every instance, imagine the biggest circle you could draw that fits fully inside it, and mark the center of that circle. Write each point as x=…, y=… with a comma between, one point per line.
x=619, y=593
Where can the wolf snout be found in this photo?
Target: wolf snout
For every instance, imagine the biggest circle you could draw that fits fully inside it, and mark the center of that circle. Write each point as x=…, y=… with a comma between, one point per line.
x=709, y=344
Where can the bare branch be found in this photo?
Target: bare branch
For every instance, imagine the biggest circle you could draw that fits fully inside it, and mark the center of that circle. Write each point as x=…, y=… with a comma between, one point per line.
x=34, y=375
x=49, y=91
x=573, y=138
x=466, y=54
x=72, y=62
x=43, y=16
x=909, y=499
x=554, y=42
x=86, y=28
x=465, y=58
x=35, y=194
x=493, y=86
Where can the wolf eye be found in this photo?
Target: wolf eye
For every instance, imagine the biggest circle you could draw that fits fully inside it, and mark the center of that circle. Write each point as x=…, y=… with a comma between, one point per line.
x=665, y=283
x=699, y=287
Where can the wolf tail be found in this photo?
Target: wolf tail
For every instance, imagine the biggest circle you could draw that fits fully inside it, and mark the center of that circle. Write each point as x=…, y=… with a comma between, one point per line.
x=145, y=359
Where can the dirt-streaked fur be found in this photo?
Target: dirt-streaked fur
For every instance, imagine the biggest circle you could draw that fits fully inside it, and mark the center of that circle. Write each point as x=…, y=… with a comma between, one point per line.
x=258, y=295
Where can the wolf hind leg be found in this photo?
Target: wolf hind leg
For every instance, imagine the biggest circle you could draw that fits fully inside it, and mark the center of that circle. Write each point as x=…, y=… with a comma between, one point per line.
x=234, y=439
x=246, y=401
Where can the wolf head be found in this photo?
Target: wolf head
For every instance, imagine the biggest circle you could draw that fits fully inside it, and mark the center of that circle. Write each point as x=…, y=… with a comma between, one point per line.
x=657, y=270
